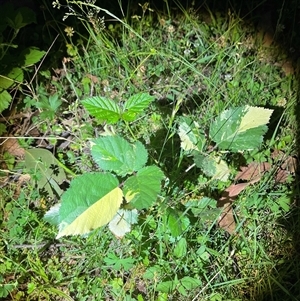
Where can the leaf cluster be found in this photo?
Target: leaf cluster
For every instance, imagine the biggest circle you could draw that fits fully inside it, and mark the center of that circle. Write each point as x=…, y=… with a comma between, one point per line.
x=234, y=130
x=105, y=109
x=94, y=199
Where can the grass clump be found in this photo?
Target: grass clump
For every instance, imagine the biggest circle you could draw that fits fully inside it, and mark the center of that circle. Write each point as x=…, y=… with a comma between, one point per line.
x=195, y=64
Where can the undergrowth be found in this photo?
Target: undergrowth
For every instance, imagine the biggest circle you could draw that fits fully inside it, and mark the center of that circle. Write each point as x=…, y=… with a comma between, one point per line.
x=196, y=64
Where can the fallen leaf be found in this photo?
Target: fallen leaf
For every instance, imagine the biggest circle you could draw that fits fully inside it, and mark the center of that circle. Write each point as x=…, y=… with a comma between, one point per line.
x=252, y=171
x=230, y=193
x=24, y=178
x=281, y=176
x=93, y=78
x=226, y=219
x=12, y=146
x=290, y=164
x=288, y=68
x=277, y=154
x=141, y=286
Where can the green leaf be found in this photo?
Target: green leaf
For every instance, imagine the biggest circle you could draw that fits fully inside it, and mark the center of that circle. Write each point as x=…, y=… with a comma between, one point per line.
x=135, y=105
x=206, y=208
x=103, y=109
x=91, y=202
x=240, y=128
x=28, y=15
x=153, y=272
x=116, y=154
x=31, y=56
x=2, y=125
x=23, y=16
x=49, y=106
x=177, y=222
x=54, y=102
x=52, y=215
x=141, y=190
x=190, y=283
x=190, y=135
x=5, y=82
x=212, y=166
x=115, y=262
x=167, y=286
x=18, y=22
x=5, y=99
x=180, y=249
x=122, y=221
x=183, y=284
x=14, y=75
x=7, y=288
x=46, y=169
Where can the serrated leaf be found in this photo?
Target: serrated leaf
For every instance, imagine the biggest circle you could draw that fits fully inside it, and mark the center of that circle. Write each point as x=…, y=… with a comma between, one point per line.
x=103, y=109
x=31, y=56
x=45, y=166
x=240, y=128
x=91, y=202
x=212, y=166
x=141, y=190
x=54, y=102
x=122, y=221
x=49, y=106
x=135, y=105
x=5, y=99
x=113, y=261
x=116, y=154
x=254, y=117
x=190, y=135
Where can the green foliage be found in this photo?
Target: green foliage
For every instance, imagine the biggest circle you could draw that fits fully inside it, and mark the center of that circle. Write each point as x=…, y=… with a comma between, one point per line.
x=48, y=105
x=142, y=188
x=176, y=222
x=181, y=285
x=115, y=153
x=175, y=250
x=240, y=128
x=236, y=129
x=12, y=63
x=107, y=110
x=117, y=263
x=93, y=200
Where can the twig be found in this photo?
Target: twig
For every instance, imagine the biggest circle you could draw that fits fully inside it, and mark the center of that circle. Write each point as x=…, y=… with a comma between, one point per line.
x=38, y=246
x=37, y=138
x=39, y=66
